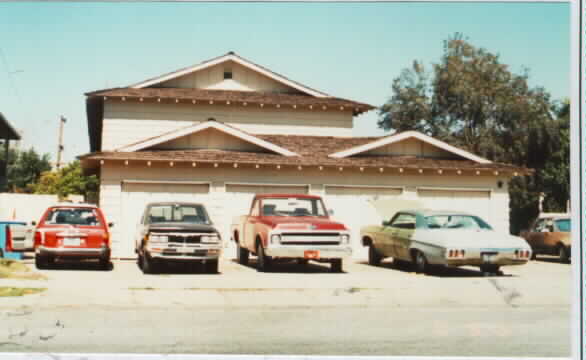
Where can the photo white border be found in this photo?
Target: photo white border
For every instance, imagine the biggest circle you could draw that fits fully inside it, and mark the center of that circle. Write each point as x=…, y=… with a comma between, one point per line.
x=578, y=207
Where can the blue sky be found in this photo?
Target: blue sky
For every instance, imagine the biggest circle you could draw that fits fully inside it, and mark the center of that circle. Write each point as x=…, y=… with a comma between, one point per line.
x=54, y=52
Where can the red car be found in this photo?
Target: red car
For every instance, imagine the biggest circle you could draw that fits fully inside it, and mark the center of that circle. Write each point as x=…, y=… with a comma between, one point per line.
x=290, y=226
x=72, y=231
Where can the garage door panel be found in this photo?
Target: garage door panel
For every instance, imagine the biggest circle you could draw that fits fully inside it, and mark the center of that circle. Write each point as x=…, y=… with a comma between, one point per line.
x=251, y=189
x=353, y=207
x=362, y=191
x=477, y=202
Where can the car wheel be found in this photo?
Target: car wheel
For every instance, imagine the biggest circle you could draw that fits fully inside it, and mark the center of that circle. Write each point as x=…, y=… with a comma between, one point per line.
x=211, y=266
x=302, y=261
x=1, y=253
x=263, y=262
x=104, y=263
x=40, y=262
x=533, y=255
x=148, y=266
x=242, y=255
x=563, y=254
x=420, y=263
x=374, y=257
x=336, y=266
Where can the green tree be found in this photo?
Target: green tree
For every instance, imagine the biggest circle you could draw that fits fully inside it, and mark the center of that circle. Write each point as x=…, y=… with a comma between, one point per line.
x=68, y=180
x=25, y=168
x=472, y=100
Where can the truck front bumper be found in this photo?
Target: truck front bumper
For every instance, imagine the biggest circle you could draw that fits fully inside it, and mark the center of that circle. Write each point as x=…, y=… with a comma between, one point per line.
x=185, y=253
x=314, y=252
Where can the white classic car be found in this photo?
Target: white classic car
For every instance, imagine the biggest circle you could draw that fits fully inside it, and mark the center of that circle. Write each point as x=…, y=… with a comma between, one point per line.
x=427, y=238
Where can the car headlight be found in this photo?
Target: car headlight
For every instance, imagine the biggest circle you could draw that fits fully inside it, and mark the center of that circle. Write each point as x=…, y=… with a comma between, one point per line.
x=345, y=239
x=159, y=238
x=275, y=238
x=210, y=239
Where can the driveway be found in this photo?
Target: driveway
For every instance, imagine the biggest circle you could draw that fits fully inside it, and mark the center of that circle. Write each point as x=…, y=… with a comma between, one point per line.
x=381, y=310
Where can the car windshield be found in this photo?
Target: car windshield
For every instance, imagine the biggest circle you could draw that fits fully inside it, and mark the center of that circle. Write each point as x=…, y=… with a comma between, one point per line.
x=563, y=225
x=464, y=222
x=292, y=207
x=178, y=213
x=73, y=216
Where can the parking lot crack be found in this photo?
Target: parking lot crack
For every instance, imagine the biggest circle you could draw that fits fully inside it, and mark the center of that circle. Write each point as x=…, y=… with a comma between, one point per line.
x=509, y=295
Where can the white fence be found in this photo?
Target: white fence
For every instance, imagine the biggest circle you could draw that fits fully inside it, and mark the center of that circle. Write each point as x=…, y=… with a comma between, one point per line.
x=28, y=207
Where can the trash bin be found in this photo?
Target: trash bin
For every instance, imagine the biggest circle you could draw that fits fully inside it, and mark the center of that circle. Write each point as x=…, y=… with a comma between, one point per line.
x=6, y=254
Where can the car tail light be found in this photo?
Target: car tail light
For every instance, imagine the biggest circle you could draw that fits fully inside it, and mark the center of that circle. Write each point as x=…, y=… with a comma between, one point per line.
x=8, y=244
x=37, y=238
x=459, y=253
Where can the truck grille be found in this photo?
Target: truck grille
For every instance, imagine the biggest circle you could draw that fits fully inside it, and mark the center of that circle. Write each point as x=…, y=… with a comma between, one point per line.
x=185, y=239
x=301, y=238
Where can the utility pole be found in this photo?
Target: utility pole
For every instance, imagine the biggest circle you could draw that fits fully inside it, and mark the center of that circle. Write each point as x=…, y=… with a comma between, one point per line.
x=60, y=148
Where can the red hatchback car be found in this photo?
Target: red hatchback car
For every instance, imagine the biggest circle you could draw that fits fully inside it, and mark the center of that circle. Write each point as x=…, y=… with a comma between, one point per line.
x=72, y=231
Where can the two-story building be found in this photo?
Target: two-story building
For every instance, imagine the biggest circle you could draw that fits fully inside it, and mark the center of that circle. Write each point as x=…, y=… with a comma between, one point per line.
x=225, y=129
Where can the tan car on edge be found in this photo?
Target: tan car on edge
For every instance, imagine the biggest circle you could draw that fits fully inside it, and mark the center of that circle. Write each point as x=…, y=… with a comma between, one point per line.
x=550, y=234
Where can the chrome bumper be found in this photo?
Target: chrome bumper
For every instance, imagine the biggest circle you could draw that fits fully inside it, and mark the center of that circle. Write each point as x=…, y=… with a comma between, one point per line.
x=185, y=253
x=73, y=252
x=474, y=257
x=299, y=251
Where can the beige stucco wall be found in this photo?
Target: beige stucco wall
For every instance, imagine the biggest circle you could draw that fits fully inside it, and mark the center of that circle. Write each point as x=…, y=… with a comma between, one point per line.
x=219, y=202
x=243, y=79
x=127, y=122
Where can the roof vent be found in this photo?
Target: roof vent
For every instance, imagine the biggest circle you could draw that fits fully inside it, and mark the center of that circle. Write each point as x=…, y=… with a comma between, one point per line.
x=231, y=53
x=211, y=119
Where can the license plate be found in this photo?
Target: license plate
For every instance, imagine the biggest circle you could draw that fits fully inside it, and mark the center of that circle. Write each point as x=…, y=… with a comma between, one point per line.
x=185, y=250
x=488, y=258
x=311, y=254
x=71, y=241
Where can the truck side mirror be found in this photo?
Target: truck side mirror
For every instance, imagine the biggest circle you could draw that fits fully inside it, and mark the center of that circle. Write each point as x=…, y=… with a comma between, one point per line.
x=33, y=223
x=386, y=223
x=111, y=224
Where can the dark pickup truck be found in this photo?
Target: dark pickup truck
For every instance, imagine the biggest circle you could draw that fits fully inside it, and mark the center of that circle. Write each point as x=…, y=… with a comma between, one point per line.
x=176, y=232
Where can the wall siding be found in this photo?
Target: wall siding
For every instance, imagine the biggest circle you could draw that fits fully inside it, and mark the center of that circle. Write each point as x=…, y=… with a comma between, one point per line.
x=129, y=122
x=412, y=147
x=242, y=79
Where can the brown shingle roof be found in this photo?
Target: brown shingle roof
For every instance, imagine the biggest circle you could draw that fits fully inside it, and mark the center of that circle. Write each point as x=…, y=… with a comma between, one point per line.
x=313, y=150
x=251, y=97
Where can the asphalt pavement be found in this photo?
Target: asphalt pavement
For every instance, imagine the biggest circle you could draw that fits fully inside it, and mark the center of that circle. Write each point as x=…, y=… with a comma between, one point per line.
x=301, y=310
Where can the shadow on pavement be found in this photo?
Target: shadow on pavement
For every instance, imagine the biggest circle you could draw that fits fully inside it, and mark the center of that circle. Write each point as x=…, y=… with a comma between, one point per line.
x=63, y=265
x=550, y=259
x=182, y=268
x=292, y=266
x=436, y=271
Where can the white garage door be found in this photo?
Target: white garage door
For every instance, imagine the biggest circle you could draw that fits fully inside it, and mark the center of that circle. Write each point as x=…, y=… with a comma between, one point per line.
x=352, y=207
x=471, y=201
x=136, y=195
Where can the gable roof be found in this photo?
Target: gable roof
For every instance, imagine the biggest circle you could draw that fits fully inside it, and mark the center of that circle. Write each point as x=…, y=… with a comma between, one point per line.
x=395, y=138
x=230, y=56
x=6, y=130
x=231, y=96
x=311, y=150
x=210, y=124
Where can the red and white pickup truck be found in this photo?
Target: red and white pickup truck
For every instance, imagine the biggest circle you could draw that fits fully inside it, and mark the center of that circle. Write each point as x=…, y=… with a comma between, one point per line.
x=286, y=226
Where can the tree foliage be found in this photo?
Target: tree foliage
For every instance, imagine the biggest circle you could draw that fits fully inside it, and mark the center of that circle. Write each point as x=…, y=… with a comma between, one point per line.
x=24, y=168
x=67, y=180
x=472, y=100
